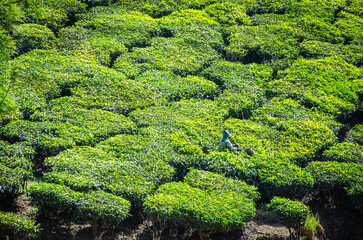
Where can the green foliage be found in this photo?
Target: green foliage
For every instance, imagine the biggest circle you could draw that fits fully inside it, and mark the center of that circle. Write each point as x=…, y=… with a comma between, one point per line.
x=175, y=87
x=243, y=86
x=11, y=13
x=351, y=27
x=195, y=209
x=54, y=14
x=350, y=53
x=65, y=126
x=102, y=210
x=165, y=7
x=312, y=226
x=356, y=134
x=213, y=182
x=344, y=152
x=31, y=36
x=168, y=54
x=199, y=119
x=12, y=182
x=258, y=43
x=323, y=84
x=93, y=168
x=46, y=75
x=193, y=26
x=293, y=214
x=13, y=226
x=228, y=13
x=16, y=155
x=131, y=28
x=6, y=47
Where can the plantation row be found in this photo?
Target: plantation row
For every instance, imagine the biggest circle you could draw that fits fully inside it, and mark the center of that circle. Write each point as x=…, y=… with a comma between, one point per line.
x=115, y=108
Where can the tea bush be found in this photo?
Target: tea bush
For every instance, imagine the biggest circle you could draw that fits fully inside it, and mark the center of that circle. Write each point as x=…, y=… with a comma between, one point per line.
x=351, y=27
x=356, y=134
x=165, y=7
x=168, y=54
x=261, y=43
x=13, y=226
x=12, y=182
x=54, y=14
x=213, y=182
x=31, y=36
x=323, y=84
x=344, y=152
x=16, y=155
x=64, y=126
x=179, y=204
x=131, y=28
x=102, y=210
x=228, y=13
x=350, y=53
x=93, y=168
x=175, y=87
x=46, y=75
x=193, y=26
x=293, y=214
x=199, y=119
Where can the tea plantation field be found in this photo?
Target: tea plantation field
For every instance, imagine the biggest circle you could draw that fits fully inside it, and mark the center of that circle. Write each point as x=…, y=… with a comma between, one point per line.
x=111, y=113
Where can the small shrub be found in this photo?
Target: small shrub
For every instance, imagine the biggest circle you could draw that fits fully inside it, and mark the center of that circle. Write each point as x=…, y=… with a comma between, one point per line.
x=102, y=210
x=344, y=152
x=211, y=182
x=293, y=214
x=167, y=54
x=31, y=36
x=228, y=13
x=312, y=227
x=17, y=227
x=179, y=204
x=356, y=134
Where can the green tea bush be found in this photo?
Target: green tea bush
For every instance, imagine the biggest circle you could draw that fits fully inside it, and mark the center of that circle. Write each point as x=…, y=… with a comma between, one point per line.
x=344, y=152
x=351, y=27
x=13, y=226
x=53, y=13
x=193, y=26
x=165, y=7
x=102, y=210
x=31, y=36
x=228, y=13
x=131, y=28
x=6, y=46
x=16, y=155
x=211, y=182
x=46, y=75
x=350, y=53
x=355, y=7
x=199, y=119
x=179, y=204
x=130, y=178
x=293, y=214
x=175, y=87
x=356, y=134
x=330, y=176
x=323, y=84
x=302, y=130
x=167, y=54
x=260, y=43
x=12, y=182
x=63, y=127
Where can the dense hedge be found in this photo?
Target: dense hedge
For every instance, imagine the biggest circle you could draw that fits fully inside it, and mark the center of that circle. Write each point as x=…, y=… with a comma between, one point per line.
x=169, y=54
x=12, y=183
x=102, y=210
x=13, y=226
x=344, y=152
x=86, y=168
x=323, y=84
x=211, y=182
x=179, y=204
x=175, y=87
x=292, y=213
x=46, y=75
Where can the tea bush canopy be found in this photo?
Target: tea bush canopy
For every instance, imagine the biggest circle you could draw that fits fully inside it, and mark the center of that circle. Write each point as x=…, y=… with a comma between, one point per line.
x=15, y=226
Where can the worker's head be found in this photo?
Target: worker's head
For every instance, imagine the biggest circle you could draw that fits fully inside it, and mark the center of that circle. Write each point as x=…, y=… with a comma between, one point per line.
x=226, y=135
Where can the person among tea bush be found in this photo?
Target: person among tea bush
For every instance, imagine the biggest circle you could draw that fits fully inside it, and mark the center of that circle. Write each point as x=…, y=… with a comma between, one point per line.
x=225, y=142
